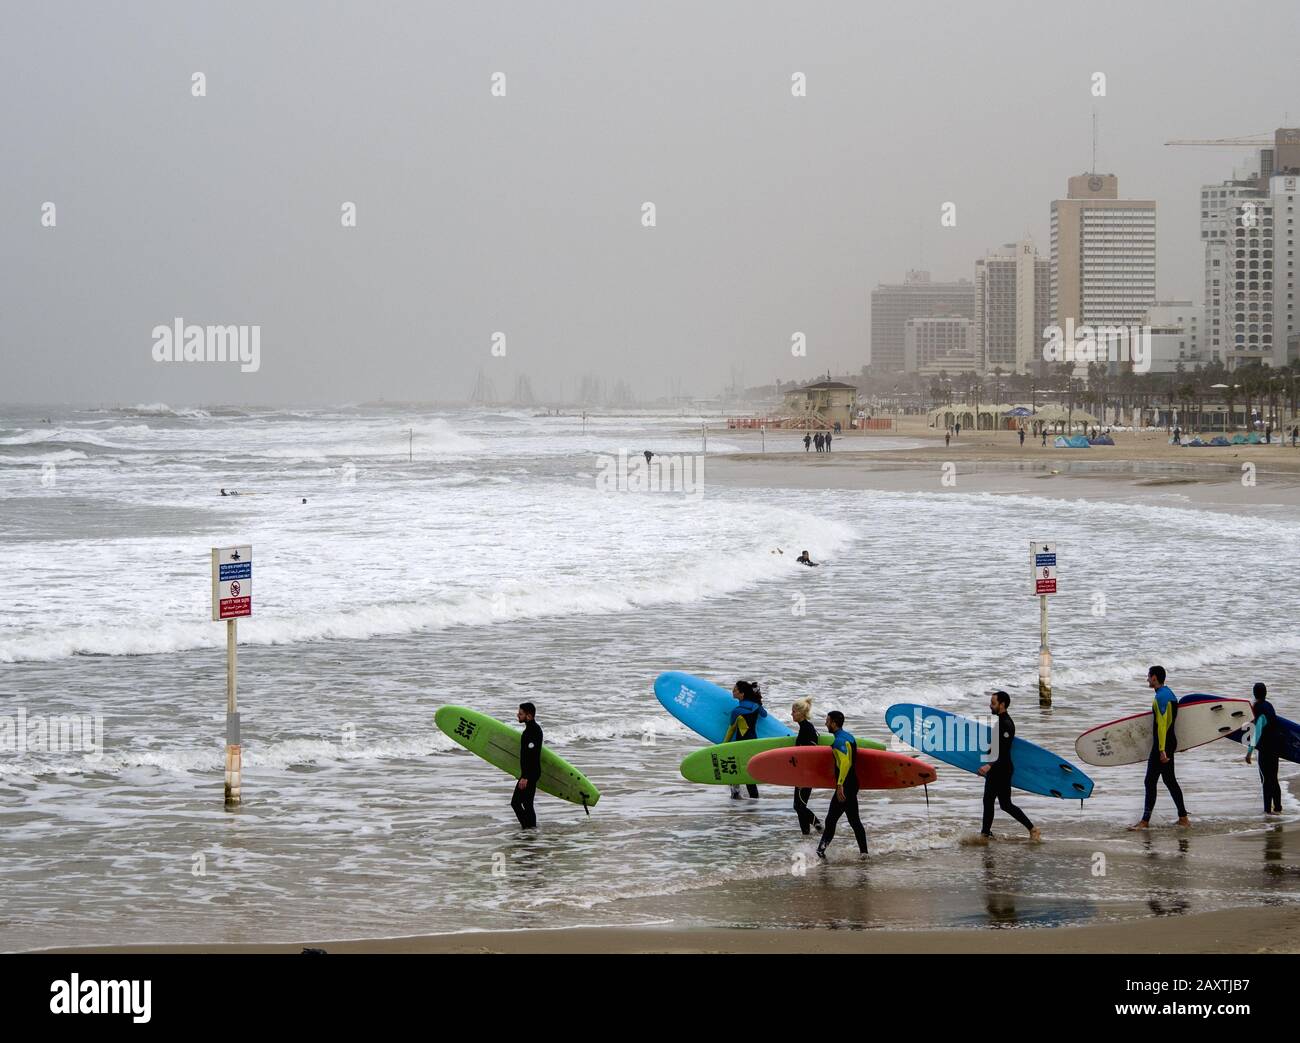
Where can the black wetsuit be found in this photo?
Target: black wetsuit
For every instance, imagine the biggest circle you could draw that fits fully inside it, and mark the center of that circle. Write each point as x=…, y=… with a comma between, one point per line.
x=1268, y=753
x=997, y=781
x=848, y=807
x=807, y=737
x=530, y=770
x=1157, y=770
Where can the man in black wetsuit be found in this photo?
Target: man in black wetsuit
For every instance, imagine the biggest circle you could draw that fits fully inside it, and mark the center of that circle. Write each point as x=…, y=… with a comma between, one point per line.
x=844, y=754
x=803, y=559
x=1264, y=739
x=997, y=775
x=530, y=766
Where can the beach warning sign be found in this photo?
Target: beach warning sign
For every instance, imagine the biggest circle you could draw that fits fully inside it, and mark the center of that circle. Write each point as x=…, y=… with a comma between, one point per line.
x=1042, y=558
x=232, y=582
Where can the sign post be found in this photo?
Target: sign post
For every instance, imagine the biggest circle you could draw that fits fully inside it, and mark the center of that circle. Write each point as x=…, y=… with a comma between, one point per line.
x=232, y=597
x=1042, y=561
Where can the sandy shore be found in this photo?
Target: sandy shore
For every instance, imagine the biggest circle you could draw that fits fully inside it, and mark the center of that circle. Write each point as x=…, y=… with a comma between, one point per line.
x=1141, y=467
x=1256, y=930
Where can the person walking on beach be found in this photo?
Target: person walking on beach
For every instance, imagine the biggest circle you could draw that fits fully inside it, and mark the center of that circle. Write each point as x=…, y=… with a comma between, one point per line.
x=844, y=752
x=744, y=721
x=817, y=440
x=1295, y=435
x=828, y=441
x=1022, y=434
x=956, y=430
x=807, y=441
x=1044, y=434
x=807, y=737
x=947, y=438
x=1265, y=740
x=1164, y=744
x=997, y=775
x=530, y=766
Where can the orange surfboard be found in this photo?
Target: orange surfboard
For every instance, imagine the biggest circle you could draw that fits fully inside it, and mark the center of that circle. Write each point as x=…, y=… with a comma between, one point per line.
x=814, y=767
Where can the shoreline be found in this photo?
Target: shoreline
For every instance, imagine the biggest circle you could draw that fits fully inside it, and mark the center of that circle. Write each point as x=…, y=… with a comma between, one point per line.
x=1251, y=929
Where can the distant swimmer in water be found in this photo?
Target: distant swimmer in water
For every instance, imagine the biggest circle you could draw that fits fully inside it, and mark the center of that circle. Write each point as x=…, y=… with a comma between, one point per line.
x=744, y=721
x=803, y=559
x=648, y=454
x=232, y=492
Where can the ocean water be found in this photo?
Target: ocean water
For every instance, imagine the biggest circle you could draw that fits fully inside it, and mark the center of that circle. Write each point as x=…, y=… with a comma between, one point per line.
x=488, y=568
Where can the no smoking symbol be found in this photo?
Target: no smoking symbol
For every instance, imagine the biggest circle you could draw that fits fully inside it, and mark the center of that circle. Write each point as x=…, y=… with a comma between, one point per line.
x=234, y=588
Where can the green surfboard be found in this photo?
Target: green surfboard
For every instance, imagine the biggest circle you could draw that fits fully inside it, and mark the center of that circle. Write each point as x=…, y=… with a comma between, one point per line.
x=727, y=763
x=498, y=744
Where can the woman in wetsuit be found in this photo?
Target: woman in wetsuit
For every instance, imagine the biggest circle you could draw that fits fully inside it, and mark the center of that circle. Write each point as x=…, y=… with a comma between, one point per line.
x=744, y=721
x=807, y=736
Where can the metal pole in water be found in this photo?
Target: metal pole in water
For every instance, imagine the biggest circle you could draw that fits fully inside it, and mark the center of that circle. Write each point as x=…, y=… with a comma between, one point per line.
x=1044, y=659
x=233, y=755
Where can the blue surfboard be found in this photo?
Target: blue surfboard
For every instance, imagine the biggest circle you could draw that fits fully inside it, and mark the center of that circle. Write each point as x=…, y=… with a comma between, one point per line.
x=705, y=708
x=1290, y=730
x=963, y=742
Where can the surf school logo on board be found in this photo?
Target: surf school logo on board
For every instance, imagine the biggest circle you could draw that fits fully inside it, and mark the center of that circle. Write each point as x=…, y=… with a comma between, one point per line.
x=941, y=733
x=650, y=473
x=181, y=343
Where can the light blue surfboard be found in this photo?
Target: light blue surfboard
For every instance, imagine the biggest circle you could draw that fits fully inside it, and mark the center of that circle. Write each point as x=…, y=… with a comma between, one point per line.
x=962, y=742
x=705, y=708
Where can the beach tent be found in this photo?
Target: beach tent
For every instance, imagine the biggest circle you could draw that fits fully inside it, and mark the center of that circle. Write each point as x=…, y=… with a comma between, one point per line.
x=1219, y=440
x=1072, y=442
x=1238, y=439
x=1057, y=415
x=1101, y=440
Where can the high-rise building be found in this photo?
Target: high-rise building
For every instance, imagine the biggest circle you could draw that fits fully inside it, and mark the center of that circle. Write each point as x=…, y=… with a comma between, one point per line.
x=1283, y=189
x=892, y=304
x=1012, y=308
x=1248, y=227
x=939, y=342
x=1103, y=254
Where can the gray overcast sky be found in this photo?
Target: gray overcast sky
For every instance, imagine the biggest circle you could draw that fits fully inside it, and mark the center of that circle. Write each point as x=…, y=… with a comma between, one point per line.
x=522, y=214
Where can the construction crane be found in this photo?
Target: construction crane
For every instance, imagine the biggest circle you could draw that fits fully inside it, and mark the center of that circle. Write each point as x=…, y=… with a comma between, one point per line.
x=1242, y=142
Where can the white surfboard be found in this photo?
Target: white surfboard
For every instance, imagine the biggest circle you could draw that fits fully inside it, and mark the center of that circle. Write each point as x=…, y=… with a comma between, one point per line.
x=1201, y=719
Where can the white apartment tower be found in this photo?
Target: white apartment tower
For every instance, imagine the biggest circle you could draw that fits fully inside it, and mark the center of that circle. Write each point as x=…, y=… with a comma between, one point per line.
x=1249, y=230
x=1012, y=308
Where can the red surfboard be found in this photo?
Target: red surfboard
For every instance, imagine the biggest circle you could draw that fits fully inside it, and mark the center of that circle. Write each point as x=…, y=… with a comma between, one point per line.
x=814, y=767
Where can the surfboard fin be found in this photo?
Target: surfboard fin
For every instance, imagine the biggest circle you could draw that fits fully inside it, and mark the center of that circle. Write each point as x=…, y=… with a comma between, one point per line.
x=584, y=805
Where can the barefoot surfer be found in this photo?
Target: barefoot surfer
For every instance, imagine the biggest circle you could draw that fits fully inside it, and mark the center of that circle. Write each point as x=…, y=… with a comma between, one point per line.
x=807, y=737
x=530, y=766
x=1164, y=744
x=844, y=750
x=997, y=775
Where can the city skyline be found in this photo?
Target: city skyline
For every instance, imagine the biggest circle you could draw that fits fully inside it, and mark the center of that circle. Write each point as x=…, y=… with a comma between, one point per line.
x=778, y=212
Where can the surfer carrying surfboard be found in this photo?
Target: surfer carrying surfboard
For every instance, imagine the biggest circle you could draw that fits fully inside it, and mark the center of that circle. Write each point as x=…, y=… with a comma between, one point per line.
x=1164, y=744
x=997, y=775
x=1265, y=739
x=807, y=737
x=844, y=749
x=530, y=766
x=744, y=721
